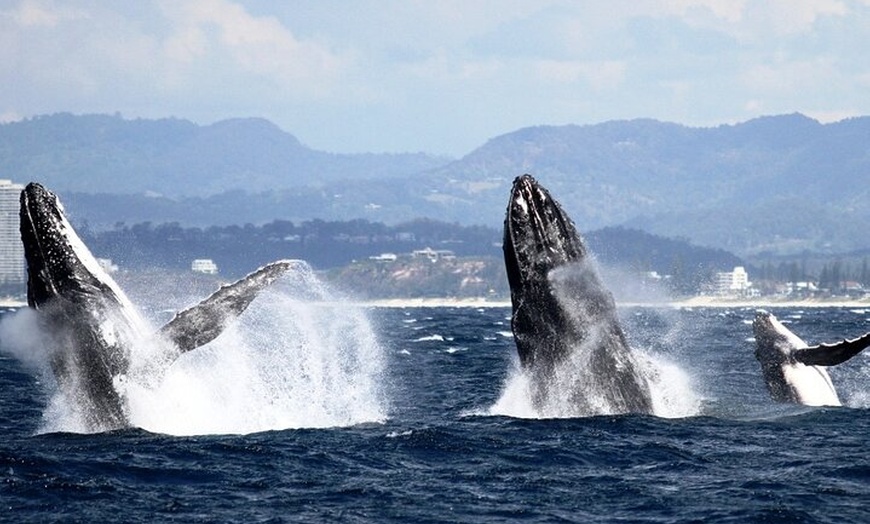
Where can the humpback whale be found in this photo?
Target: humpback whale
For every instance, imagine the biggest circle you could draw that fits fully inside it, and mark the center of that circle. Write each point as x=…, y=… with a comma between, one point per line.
x=792, y=370
x=564, y=320
x=92, y=328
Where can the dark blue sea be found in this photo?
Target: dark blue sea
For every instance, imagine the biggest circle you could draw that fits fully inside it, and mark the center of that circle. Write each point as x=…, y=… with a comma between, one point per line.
x=414, y=415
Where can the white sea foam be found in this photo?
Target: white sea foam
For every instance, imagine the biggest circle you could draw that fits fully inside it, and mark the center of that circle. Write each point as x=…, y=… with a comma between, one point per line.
x=516, y=396
x=297, y=357
x=670, y=387
x=575, y=388
x=289, y=362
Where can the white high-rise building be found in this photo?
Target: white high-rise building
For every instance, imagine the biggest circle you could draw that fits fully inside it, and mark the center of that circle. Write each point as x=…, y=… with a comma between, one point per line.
x=12, y=271
x=733, y=282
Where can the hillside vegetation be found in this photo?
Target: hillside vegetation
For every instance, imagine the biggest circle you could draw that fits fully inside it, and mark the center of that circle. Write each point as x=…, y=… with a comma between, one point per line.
x=473, y=265
x=780, y=185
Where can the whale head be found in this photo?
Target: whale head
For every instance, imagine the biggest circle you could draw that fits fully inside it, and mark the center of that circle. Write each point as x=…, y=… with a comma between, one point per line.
x=58, y=262
x=538, y=238
x=774, y=343
x=564, y=320
x=538, y=234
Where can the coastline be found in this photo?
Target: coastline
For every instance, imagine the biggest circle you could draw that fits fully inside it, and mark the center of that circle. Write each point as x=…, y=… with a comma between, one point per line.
x=693, y=302
x=11, y=303
x=771, y=302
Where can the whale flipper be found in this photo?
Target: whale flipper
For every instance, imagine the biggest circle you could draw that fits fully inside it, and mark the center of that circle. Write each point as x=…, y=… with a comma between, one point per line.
x=200, y=324
x=832, y=354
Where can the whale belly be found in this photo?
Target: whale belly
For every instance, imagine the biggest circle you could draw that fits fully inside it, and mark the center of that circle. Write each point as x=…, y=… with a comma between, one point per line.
x=811, y=385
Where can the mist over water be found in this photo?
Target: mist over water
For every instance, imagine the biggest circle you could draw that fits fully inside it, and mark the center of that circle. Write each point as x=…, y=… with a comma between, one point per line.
x=671, y=390
x=298, y=357
x=582, y=385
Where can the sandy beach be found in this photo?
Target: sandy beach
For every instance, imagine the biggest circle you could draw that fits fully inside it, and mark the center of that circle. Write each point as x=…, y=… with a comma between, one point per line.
x=693, y=302
x=772, y=302
x=11, y=303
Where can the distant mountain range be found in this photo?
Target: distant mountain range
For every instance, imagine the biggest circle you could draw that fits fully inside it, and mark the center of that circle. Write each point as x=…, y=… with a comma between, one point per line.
x=779, y=185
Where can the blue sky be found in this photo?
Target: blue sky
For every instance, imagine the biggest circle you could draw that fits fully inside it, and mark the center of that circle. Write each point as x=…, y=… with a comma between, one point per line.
x=435, y=76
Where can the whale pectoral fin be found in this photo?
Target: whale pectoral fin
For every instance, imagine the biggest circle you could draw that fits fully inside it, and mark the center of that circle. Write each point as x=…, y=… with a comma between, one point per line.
x=202, y=323
x=832, y=354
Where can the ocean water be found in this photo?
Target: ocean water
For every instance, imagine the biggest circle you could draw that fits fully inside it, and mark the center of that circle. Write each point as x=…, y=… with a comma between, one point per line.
x=335, y=413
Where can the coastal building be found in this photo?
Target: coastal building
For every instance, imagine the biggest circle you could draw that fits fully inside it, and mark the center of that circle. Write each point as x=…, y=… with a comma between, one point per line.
x=732, y=283
x=434, y=255
x=12, y=268
x=204, y=265
x=384, y=257
x=801, y=289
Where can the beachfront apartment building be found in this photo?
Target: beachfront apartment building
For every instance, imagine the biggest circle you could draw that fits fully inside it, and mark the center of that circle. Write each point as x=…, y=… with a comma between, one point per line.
x=732, y=283
x=12, y=268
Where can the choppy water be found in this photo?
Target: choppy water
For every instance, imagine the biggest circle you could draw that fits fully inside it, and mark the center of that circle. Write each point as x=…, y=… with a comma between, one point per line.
x=414, y=415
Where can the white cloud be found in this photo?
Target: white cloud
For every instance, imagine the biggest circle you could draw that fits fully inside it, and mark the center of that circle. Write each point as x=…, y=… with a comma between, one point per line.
x=787, y=17
x=727, y=10
x=422, y=75
x=32, y=13
x=599, y=75
x=830, y=116
x=10, y=116
x=790, y=76
x=747, y=20
x=256, y=44
x=186, y=45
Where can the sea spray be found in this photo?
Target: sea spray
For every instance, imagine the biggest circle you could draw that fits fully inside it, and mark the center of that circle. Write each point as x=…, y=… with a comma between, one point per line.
x=598, y=376
x=298, y=357
x=670, y=387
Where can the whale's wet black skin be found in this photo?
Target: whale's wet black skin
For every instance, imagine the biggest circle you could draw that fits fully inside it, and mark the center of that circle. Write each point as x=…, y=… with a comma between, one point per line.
x=91, y=326
x=792, y=370
x=562, y=313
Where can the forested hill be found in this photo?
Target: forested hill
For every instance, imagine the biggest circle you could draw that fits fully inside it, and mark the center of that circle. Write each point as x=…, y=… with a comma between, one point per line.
x=179, y=159
x=780, y=185
x=238, y=250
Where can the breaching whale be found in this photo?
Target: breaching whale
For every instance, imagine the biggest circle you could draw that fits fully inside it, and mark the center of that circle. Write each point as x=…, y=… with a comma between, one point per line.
x=91, y=327
x=564, y=319
x=792, y=370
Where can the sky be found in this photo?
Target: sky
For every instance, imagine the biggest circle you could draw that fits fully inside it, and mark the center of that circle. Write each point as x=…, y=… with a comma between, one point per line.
x=438, y=76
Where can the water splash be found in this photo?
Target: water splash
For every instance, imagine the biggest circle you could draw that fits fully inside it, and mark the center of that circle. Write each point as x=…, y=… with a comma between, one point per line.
x=851, y=381
x=598, y=377
x=670, y=387
x=298, y=357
